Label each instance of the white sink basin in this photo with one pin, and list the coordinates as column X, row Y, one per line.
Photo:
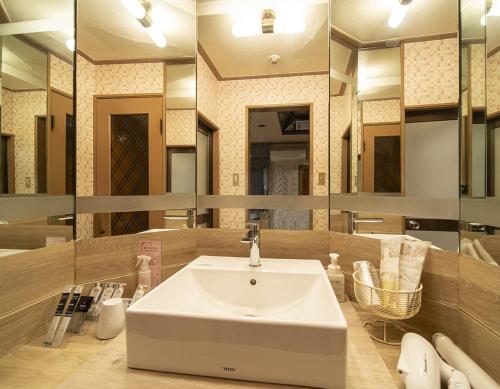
column 219, row 317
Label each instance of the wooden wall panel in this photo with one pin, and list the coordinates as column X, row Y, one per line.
column 30, row 237
column 109, row 257
column 34, row 275
column 211, row 241
column 26, row 324
column 480, row 291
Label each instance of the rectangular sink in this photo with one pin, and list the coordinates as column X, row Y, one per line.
column 279, row 323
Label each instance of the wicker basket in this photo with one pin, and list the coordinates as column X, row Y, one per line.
column 390, row 304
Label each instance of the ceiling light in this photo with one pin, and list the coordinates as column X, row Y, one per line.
column 157, row 36
column 135, row 7
column 142, row 11
column 285, row 22
column 70, row 44
column 398, row 13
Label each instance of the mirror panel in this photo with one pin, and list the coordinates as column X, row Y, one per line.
column 262, row 102
column 37, row 151
column 394, row 119
column 480, row 205
column 136, row 115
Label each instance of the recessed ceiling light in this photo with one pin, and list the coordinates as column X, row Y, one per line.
column 398, row 12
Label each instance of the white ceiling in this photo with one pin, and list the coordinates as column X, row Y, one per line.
column 25, row 10
column 107, row 31
column 379, row 73
column 248, row 56
column 23, row 67
column 472, row 10
column 366, row 20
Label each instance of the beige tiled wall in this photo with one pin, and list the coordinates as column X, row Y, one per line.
column 477, row 75
column 61, row 75
column 431, row 72
column 493, row 83
column 380, row 111
column 180, row 127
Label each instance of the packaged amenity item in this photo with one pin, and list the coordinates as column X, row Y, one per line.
column 120, row 288
column 367, row 275
column 61, row 331
column 95, row 293
column 336, row 277
column 139, row 293
column 106, row 294
column 389, row 263
column 80, row 314
column 57, row 315
column 412, row 263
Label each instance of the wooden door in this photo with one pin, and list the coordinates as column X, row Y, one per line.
column 60, row 145
column 129, row 159
column 382, row 158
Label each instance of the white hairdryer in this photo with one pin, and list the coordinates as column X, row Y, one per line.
column 421, row 367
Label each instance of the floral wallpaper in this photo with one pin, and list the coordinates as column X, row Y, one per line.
column 379, row 111
column 129, row 78
column 180, row 127
column 19, row 111
column 337, row 128
column 207, row 94
column 61, row 75
column 477, row 74
column 431, row 72
column 493, row 83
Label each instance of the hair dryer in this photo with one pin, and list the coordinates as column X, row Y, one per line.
column 421, row 367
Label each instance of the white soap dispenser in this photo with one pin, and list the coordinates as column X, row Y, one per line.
column 336, row 277
column 144, row 271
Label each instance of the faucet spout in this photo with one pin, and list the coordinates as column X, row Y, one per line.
column 252, row 237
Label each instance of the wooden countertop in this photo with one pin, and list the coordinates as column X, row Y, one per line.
column 85, row 362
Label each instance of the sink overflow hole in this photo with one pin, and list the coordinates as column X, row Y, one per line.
column 253, row 281
column 228, row 368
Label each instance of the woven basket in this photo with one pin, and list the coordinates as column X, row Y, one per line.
column 389, row 304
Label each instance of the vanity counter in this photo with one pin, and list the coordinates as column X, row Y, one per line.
column 85, row 362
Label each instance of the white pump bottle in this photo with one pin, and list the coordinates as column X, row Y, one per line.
column 336, row 277
column 144, row 271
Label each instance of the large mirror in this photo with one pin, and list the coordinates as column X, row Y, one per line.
column 394, row 117
column 480, row 130
column 37, row 135
column 262, row 102
column 136, row 113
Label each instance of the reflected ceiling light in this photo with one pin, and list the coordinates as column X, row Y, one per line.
column 492, row 9
column 135, row 7
column 285, row 22
column 142, row 10
column 70, row 44
column 398, row 13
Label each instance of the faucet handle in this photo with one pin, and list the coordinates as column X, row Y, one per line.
column 254, row 227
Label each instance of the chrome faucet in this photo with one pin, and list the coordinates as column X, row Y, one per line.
column 354, row 220
column 252, row 237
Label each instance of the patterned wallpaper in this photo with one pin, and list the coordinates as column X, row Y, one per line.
column 431, row 72
column 99, row 80
column 477, row 73
column 337, row 129
column 19, row 110
column 207, row 94
column 493, row 83
column 180, row 127
column 379, row 111
column 61, row 75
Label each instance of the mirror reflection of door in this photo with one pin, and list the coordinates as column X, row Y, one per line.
column 382, row 158
column 205, row 171
column 41, row 154
column 128, row 159
column 181, row 169
column 7, row 161
column 279, row 162
column 345, row 185
column 60, row 179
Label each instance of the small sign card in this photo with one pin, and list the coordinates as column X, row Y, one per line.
column 152, row 248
